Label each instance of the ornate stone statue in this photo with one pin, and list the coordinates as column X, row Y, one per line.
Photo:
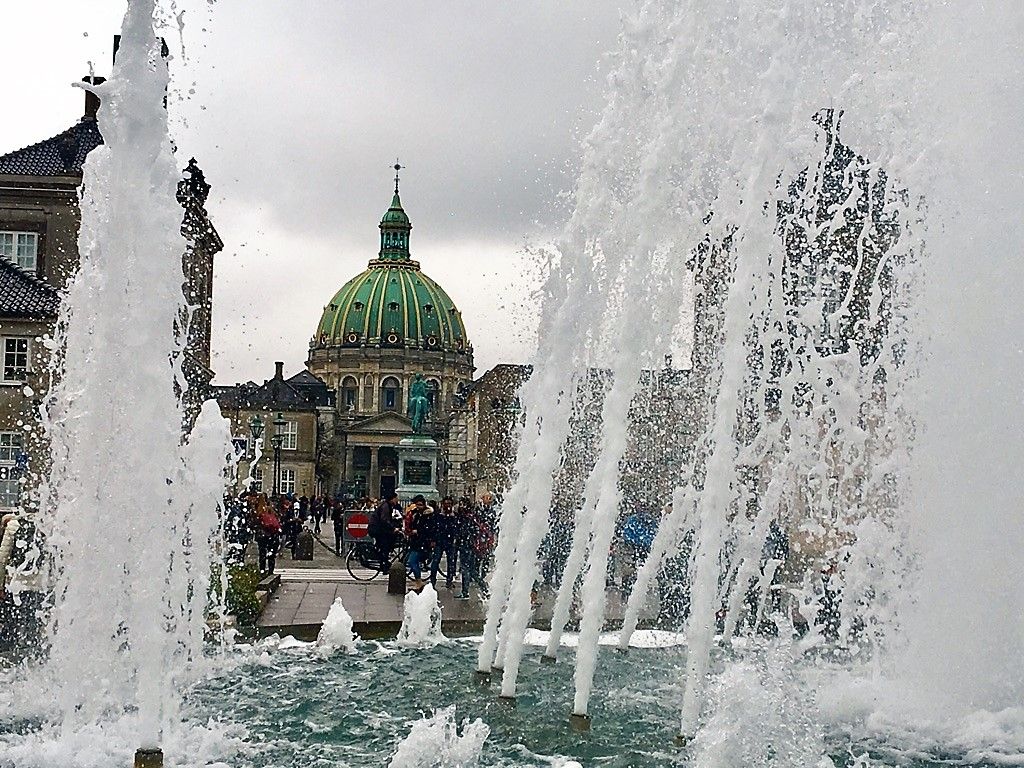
column 419, row 403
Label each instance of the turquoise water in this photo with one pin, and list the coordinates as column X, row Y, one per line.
column 355, row 710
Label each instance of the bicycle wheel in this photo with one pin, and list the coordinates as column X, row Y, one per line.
column 358, row 569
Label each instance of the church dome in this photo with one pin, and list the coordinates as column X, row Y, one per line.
column 392, row 303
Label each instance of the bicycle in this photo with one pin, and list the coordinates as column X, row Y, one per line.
column 364, row 565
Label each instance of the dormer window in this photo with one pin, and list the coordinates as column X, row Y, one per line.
column 428, row 308
column 358, row 306
column 21, row 248
column 393, row 306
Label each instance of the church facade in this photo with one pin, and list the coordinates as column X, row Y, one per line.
column 380, row 330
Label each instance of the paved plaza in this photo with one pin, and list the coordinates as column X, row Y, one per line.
column 308, row 588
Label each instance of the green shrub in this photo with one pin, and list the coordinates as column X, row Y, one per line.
column 241, row 594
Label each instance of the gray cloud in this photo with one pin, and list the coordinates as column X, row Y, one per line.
column 298, row 111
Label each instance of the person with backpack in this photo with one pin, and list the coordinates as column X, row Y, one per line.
column 421, row 530
column 268, row 533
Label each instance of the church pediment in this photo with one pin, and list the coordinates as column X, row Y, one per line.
column 383, row 422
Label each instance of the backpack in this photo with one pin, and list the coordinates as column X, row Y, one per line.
column 483, row 542
column 268, row 522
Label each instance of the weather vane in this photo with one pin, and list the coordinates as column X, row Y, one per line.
column 398, row 166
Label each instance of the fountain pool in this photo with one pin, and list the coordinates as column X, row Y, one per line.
column 276, row 703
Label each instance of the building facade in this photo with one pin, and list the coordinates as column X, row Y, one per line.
column 303, row 408
column 28, row 309
column 485, row 428
column 39, row 222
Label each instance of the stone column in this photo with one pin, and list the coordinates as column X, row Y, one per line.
column 350, row 474
column 373, row 479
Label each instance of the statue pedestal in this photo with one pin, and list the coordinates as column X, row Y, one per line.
column 417, row 467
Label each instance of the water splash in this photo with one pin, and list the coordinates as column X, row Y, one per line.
column 421, row 620
column 129, row 510
column 762, row 715
column 336, row 632
column 810, row 165
column 435, row 742
column 965, row 632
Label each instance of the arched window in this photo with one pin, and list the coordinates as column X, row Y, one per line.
column 391, row 394
column 349, row 393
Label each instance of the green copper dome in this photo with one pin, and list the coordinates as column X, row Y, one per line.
column 392, row 303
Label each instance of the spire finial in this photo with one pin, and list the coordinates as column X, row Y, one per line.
column 398, row 166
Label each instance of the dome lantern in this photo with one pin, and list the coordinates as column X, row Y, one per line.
column 394, row 228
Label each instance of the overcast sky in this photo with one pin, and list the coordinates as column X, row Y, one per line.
column 298, row 111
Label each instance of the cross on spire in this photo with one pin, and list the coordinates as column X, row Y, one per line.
column 398, row 166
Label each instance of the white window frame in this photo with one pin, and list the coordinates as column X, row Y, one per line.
column 257, row 479
column 11, row 443
column 288, row 480
column 4, row 341
column 290, row 436
column 10, row 486
column 240, row 443
column 13, row 241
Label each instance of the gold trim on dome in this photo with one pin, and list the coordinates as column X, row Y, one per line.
column 420, row 331
column 356, row 283
column 369, row 301
column 387, row 275
column 436, row 296
column 405, row 305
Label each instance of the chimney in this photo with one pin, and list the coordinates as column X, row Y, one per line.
column 279, row 370
column 92, row 101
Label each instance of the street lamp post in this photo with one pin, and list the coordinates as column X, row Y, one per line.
column 276, row 441
column 256, row 427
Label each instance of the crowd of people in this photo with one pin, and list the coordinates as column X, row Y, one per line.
column 458, row 534
column 453, row 541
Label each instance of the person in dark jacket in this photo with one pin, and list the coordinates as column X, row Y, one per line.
column 237, row 529
column 385, row 528
column 338, row 520
column 317, row 511
column 446, row 545
column 421, row 530
column 268, row 532
column 473, row 537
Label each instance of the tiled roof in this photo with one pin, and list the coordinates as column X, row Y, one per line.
column 295, row 394
column 61, row 155
column 23, row 295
